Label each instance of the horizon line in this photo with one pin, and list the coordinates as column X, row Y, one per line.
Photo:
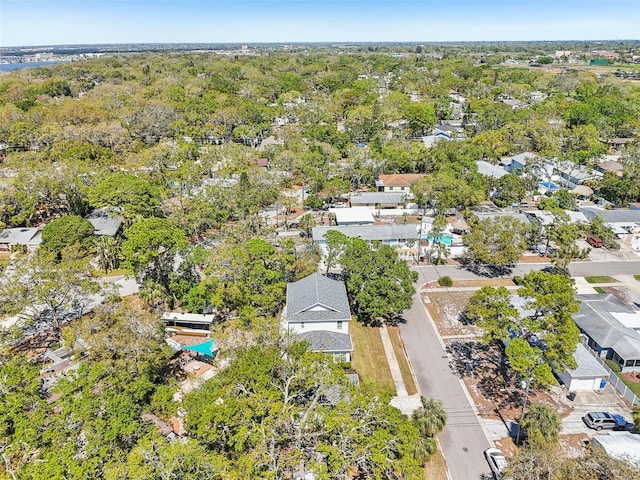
column 325, row 42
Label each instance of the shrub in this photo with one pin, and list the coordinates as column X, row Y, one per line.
column 517, row 280
column 613, row 365
column 445, row 281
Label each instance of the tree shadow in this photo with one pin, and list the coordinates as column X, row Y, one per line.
column 488, row 271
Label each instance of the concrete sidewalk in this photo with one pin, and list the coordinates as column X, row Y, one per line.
column 404, row 402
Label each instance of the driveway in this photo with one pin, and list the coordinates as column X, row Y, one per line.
column 463, row 439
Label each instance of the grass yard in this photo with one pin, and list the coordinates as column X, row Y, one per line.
column 5, row 260
column 436, row 467
column 633, row 386
column 600, row 279
column 369, row 359
column 599, row 289
column 396, row 340
column 637, row 277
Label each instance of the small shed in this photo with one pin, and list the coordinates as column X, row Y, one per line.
column 588, row 375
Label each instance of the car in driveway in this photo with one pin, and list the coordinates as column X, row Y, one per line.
column 605, row 421
column 497, row 462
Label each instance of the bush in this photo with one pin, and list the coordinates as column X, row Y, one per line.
column 445, row 281
column 518, row 280
column 613, row 365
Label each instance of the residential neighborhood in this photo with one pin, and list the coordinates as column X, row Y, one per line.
column 320, row 262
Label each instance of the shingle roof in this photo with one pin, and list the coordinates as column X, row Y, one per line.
column 20, row 236
column 370, row 233
column 382, row 198
column 105, row 221
column 317, row 298
column 595, row 318
column 327, row 341
column 612, row 216
column 488, row 170
column 400, row 179
column 588, row 366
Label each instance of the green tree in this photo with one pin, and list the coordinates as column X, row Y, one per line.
column 307, row 222
column 379, row 284
column 67, row 231
column 542, row 424
column 509, row 189
column 276, row 416
column 431, row 418
column 421, row 117
column 336, row 242
column 491, row 309
column 136, row 196
column 495, row 242
column 529, row 363
column 150, row 248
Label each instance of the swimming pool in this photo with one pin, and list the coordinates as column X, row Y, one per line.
column 549, row 185
column 445, row 239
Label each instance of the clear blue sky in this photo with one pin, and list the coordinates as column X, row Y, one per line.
column 46, row 22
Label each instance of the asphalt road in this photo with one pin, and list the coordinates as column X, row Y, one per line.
column 463, row 440
column 577, row 269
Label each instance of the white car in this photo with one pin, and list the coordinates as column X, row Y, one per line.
column 497, row 462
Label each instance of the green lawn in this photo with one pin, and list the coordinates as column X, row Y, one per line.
column 637, row 277
column 599, row 289
column 410, row 385
column 369, row 359
column 634, row 387
column 600, row 279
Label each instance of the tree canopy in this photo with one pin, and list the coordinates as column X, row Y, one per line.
column 379, row 284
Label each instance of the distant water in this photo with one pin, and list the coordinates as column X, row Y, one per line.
column 8, row 67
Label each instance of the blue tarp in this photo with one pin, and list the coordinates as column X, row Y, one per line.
column 205, row 348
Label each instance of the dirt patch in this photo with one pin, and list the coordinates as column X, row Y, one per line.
column 445, row 308
column 534, row 259
column 632, row 377
column 624, row 294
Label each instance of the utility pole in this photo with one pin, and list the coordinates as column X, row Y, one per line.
column 524, row 407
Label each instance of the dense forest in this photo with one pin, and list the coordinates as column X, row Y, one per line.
column 170, row 142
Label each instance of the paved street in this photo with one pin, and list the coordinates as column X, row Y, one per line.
column 577, row 269
column 463, row 439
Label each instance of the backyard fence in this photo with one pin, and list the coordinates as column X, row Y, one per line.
column 614, row 379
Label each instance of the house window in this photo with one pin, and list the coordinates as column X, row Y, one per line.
column 637, row 363
column 301, row 324
column 628, row 363
column 340, row 357
column 402, row 188
column 339, row 325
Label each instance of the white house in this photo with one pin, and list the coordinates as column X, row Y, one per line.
column 318, row 311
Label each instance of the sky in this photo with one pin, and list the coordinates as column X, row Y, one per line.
column 60, row 22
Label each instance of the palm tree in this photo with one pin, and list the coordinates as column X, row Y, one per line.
column 424, row 448
column 542, row 425
column 108, row 252
column 431, row 418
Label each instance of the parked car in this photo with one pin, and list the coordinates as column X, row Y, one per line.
column 605, row 420
column 497, row 462
column 595, row 242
